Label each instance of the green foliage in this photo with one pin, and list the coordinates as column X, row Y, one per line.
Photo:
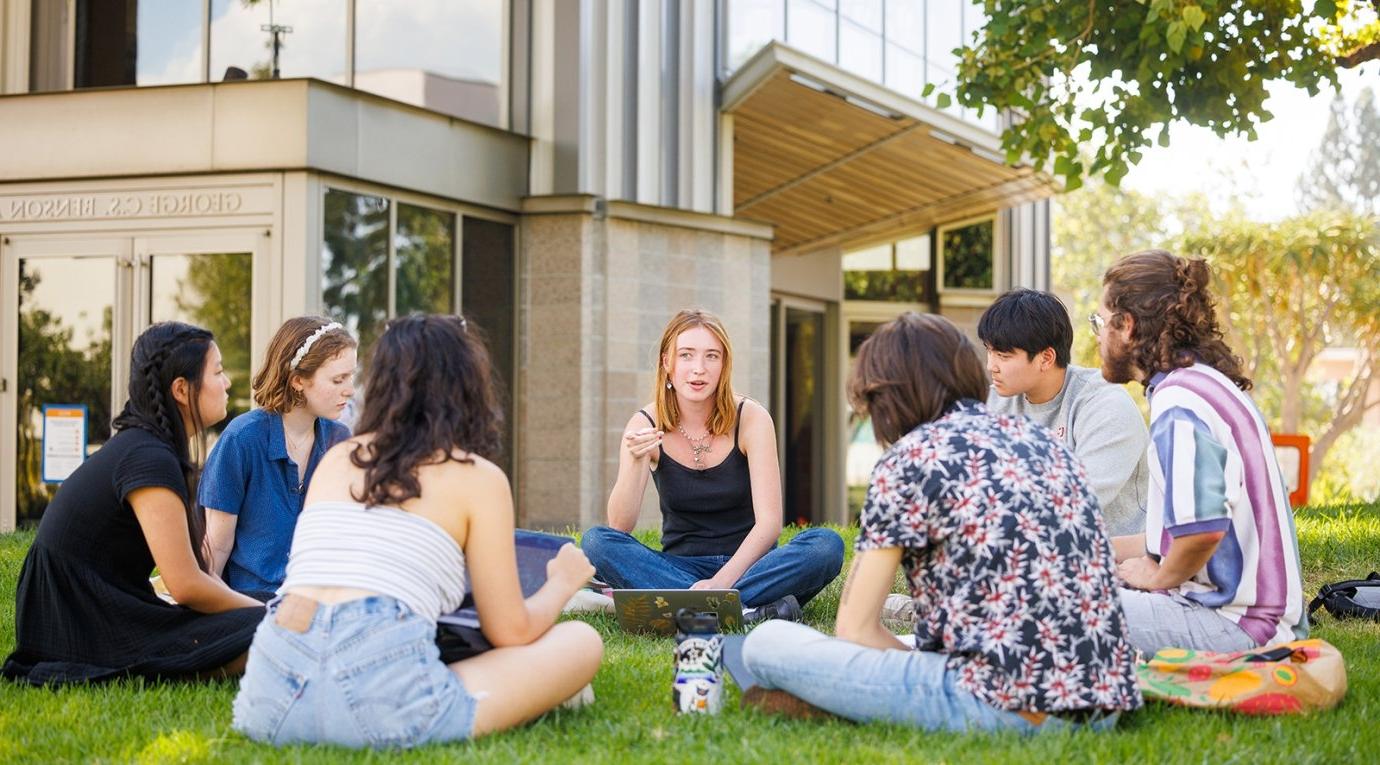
column 425, row 246
column 1097, row 79
column 55, row 367
column 632, row 721
column 967, row 254
column 1289, row 290
column 217, row 293
column 894, row 286
column 1286, row 292
column 1092, row 228
column 354, row 258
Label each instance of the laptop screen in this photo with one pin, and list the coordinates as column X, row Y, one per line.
column 534, row 550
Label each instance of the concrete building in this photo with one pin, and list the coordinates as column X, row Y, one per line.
column 568, row 173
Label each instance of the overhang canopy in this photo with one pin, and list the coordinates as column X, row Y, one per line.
column 833, row 160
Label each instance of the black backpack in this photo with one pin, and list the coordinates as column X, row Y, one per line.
column 1352, row 599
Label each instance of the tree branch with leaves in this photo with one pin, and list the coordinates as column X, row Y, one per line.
column 1093, row 81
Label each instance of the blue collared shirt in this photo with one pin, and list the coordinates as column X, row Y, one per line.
column 249, row 474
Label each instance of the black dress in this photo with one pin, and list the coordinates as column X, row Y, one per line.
column 84, row 609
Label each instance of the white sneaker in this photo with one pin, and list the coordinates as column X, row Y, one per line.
column 583, row 698
column 588, row 602
column 898, row 612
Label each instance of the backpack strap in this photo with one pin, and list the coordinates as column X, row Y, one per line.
column 1337, row 588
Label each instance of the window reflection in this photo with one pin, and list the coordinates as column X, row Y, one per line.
column 424, row 246
column 895, row 272
column 865, row 13
column 214, row 291
column 751, row 25
column 967, row 254
column 903, row 44
column 905, row 25
column 488, row 283
column 811, row 28
column 137, row 42
column 354, row 264
column 860, row 51
column 444, row 55
column 314, row 48
column 65, row 311
column 905, row 71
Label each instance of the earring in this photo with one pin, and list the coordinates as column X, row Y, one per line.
column 668, row 385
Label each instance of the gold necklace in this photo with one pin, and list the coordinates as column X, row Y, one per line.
column 698, row 446
column 296, row 445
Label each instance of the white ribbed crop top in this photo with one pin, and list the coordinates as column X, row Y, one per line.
column 384, row 549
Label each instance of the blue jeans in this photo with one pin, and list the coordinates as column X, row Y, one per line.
column 868, row 684
column 366, row 673
column 802, row 567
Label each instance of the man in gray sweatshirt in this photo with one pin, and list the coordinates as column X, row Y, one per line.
column 1028, row 337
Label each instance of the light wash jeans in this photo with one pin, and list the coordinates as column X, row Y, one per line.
column 801, row 567
column 869, row 684
column 366, row 673
column 1156, row 620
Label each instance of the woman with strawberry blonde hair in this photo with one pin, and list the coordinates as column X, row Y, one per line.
column 712, row 455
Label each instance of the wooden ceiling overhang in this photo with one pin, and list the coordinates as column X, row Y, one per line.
column 833, row 160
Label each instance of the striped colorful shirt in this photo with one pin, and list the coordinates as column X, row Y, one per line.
column 1213, row 468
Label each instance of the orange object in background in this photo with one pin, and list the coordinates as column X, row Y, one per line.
column 1292, row 451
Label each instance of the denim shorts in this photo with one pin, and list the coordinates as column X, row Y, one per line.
column 365, row 673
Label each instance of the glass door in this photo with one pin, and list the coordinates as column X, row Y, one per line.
column 206, row 280
column 799, row 380
column 72, row 308
column 63, row 344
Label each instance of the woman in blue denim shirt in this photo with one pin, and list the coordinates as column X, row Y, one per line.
column 256, row 476
column 347, row 655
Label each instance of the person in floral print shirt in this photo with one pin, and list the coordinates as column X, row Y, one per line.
column 1000, row 537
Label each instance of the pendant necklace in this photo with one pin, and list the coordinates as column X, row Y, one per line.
column 698, row 446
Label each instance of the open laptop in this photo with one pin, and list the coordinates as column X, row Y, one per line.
column 654, row 611
column 534, row 549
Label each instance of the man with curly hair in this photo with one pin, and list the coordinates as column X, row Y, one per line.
column 1218, row 565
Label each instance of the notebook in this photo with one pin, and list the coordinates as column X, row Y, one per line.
column 654, row 611
column 534, row 549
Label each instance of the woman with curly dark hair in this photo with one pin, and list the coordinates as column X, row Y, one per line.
column 85, row 609
column 1218, row 565
column 347, row 654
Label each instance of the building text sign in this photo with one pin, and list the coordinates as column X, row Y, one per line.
column 158, row 203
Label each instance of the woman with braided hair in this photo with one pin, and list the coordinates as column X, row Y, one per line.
column 84, row 609
column 257, row 475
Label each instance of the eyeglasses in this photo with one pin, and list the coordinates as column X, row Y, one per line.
column 1097, row 322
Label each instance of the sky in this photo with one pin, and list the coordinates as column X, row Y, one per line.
column 1263, row 173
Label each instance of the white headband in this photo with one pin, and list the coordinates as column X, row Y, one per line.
column 310, row 341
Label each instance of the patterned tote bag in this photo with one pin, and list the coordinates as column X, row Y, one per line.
column 1287, row 678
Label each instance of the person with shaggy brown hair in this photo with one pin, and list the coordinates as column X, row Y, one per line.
column 1217, row 568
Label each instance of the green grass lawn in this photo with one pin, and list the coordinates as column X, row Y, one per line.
column 632, row 719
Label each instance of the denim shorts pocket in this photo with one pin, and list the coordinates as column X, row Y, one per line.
column 268, row 692
column 395, row 694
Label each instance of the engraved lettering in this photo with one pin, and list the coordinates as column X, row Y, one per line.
column 233, row 202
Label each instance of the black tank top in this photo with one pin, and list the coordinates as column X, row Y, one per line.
column 704, row 512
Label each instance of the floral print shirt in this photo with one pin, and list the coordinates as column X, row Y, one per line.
column 1012, row 573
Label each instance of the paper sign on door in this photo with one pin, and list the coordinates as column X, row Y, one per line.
column 64, row 440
